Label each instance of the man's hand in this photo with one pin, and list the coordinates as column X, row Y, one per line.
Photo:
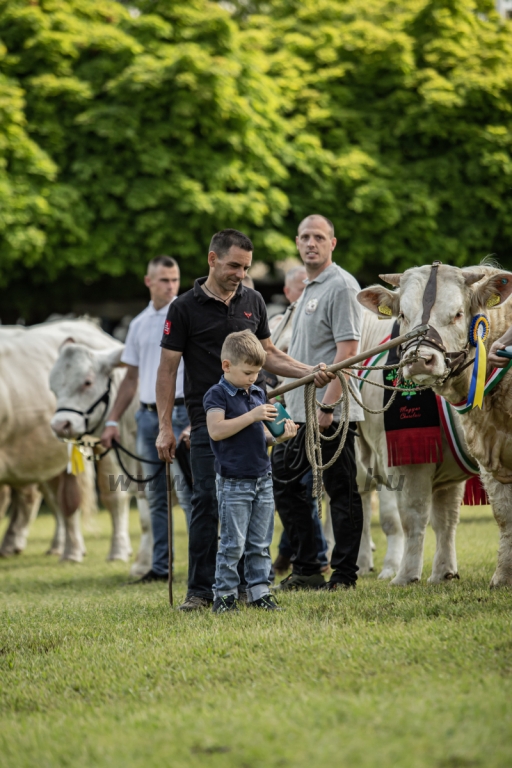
column 322, row 377
column 185, row 437
column 324, row 419
column 290, row 430
column 265, row 412
column 493, row 359
column 109, row 434
column 166, row 444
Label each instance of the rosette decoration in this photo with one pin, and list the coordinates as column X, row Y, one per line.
column 478, row 332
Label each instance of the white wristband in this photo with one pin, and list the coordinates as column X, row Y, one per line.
column 111, row 423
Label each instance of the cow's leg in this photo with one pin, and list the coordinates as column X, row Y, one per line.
column 68, row 540
column 118, row 504
column 24, row 508
column 500, row 496
column 414, row 501
column 5, row 500
column 444, row 519
column 392, row 527
column 365, row 556
column 145, row 554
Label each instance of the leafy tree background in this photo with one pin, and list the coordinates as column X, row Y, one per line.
column 125, row 135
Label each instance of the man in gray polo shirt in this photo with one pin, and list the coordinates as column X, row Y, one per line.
column 326, row 327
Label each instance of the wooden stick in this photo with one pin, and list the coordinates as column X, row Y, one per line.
column 351, row 360
column 169, row 526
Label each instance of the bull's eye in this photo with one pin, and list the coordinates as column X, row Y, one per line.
column 87, row 383
column 400, row 315
column 458, row 316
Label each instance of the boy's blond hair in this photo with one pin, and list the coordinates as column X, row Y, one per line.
column 243, row 347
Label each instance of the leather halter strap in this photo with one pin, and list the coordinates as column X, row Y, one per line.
column 455, row 361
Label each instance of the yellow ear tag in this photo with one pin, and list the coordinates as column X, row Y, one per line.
column 491, row 301
column 385, row 310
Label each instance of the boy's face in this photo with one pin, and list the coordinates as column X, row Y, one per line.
column 241, row 375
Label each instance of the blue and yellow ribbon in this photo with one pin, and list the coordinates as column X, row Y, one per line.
column 478, row 332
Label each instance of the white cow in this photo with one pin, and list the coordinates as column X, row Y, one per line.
column 30, row 453
column 426, row 490
column 85, row 379
column 461, row 295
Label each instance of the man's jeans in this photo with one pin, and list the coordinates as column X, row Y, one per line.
column 285, row 548
column 246, row 512
column 156, row 490
column 346, row 512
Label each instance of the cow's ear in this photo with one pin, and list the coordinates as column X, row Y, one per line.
column 392, row 279
column 111, row 359
column 69, row 340
column 382, row 301
column 492, row 292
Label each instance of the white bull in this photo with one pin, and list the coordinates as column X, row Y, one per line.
column 30, row 454
column 460, row 296
column 85, row 379
column 425, row 490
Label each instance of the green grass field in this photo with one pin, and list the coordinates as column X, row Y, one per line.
column 96, row 673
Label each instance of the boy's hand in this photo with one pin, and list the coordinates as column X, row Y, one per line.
column 290, row 430
column 265, row 412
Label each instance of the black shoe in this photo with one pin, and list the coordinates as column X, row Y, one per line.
column 225, row 604
column 295, row 581
column 332, row 586
column 267, row 602
column 151, row 576
column 194, row 603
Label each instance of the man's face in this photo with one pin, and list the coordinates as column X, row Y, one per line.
column 293, row 290
column 315, row 243
column 163, row 283
column 230, row 270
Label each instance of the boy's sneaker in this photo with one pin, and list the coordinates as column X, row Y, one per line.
column 295, row 581
column 225, row 604
column 267, row 602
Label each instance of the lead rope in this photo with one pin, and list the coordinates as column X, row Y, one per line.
column 314, row 436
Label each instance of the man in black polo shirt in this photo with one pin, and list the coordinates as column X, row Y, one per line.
column 196, row 326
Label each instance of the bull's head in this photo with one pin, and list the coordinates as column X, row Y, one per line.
column 460, row 294
column 80, row 380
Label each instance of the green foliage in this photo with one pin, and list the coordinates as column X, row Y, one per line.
column 163, row 129
column 95, row 674
column 400, row 118
column 123, row 136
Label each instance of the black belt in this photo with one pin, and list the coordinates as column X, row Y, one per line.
column 152, row 406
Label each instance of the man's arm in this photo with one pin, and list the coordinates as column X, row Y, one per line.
column 125, row 395
column 165, row 394
column 283, row 365
column 344, row 349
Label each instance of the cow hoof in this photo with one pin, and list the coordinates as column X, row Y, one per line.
column 387, row 573
column 71, row 558
column 122, row 558
column 54, row 551
column 497, row 582
column 396, row 582
column 451, row 576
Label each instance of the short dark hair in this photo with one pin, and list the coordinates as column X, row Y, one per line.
column 243, row 347
column 222, row 241
column 318, row 216
column 162, row 261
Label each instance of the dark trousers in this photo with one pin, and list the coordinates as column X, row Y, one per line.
column 346, row 511
column 203, row 536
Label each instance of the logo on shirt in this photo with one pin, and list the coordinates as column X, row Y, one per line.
column 311, row 306
column 248, row 314
column 167, row 327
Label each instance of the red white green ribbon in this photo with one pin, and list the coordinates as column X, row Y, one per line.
column 496, row 376
column 370, row 361
column 463, row 459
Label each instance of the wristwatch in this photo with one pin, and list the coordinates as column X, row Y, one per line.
column 327, row 408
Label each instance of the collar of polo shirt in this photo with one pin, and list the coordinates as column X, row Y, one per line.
column 232, row 390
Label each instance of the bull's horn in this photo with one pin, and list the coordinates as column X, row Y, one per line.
column 392, row 279
column 472, row 277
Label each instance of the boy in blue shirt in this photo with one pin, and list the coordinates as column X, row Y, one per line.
column 235, row 409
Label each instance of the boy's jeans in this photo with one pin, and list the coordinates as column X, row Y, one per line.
column 246, row 513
